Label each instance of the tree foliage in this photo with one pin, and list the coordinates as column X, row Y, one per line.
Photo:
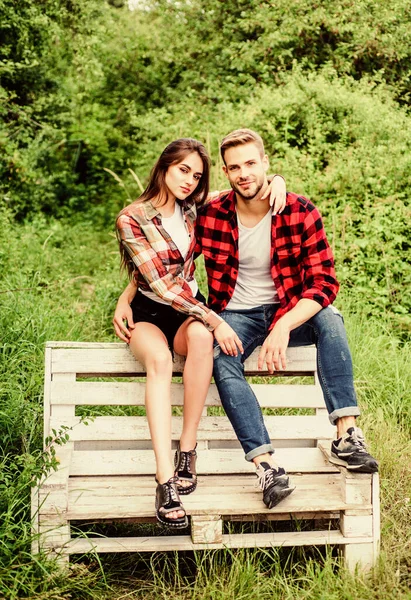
column 88, row 85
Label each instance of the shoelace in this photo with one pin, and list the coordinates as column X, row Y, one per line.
column 171, row 492
column 266, row 478
column 358, row 441
column 184, row 462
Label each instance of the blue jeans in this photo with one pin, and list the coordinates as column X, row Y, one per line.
column 326, row 330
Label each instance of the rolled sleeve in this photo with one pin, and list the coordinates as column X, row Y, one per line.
column 320, row 282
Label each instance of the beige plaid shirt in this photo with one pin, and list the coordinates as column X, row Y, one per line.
column 159, row 266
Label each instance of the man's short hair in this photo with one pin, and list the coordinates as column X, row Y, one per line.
column 239, row 137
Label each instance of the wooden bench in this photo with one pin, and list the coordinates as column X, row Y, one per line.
column 106, row 469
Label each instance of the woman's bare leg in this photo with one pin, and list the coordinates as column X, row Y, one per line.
column 195, row 342
column 149, row 346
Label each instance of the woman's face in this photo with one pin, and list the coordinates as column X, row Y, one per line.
column 183, row 178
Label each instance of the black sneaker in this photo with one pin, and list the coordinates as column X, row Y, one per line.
column 351, row 452
column 274, row 484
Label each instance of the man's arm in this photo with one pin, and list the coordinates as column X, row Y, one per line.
column 320, row 289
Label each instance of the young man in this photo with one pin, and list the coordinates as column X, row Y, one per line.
column 272, row 278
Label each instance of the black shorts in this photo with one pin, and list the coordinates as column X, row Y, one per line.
column 164, row 316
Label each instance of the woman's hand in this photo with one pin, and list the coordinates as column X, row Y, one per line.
column 227, row 339
column 277, row 192
column 123, row 320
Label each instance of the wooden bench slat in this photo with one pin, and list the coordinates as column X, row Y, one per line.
column 131, row 393
column 120, row 360
column 313, row 493
column 183, row 542
column 133, row 462
column 211, row 428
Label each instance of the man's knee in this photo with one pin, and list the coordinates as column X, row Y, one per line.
column 329, row 321
column 226, row 366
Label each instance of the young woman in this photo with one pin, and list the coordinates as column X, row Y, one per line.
column 165, row 312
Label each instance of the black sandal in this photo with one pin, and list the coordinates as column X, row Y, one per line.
column 167, row 501
column 185, row 465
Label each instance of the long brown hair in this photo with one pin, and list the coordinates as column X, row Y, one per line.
column 172, row 154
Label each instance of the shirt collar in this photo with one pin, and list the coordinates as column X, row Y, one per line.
column 152, row 211
column 228, row 204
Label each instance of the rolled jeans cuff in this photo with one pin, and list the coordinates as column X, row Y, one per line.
column 347, row 411
column 260, row 450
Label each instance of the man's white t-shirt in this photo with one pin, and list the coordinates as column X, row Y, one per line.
column 177, row 230
column 254, row 286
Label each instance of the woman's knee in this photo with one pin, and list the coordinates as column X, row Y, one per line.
column 199, row 338
column 159, row 363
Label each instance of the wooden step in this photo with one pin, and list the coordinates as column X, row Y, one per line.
column 116, row 359
column 184, row 542
column 211, row 428
column 133, row 497
column 131, row 393
column 141, row 462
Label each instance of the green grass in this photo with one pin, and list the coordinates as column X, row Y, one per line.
column 60, row 282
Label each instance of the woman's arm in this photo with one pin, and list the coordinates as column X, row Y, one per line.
column 123, row 315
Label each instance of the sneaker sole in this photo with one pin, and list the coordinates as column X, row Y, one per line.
column 357, row 468
column 280, row 495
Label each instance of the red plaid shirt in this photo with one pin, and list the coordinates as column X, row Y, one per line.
column 302, row 264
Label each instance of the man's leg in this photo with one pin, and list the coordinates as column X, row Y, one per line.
column 241, row 404
column 326, row 330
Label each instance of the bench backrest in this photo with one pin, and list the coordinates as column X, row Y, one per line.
column 81, row 374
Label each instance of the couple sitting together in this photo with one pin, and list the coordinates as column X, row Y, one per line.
column 271, row 283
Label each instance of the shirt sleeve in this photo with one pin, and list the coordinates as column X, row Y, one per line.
column 170, row 288
column 320, row 283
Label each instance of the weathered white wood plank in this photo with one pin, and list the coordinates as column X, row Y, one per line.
column 145, row 484
column 313, row 494
column 141, row 462
column 120, row 360
column 182, row 542
column 47, row 393
column 359, row 556
column 375, row 494
column 211, row 428
column 356, row 526
column 34, row 513
column 206, row 529
column 131, row 393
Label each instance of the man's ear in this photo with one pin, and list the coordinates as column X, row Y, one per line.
column 266, row 163
column 225, row 171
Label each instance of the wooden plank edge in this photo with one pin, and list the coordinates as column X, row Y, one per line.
column 170, row 543
column 114, row 514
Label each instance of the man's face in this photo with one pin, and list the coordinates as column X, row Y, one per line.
column 245, row 169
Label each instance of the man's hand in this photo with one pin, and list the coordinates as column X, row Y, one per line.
column 227, row 339
column 277, row 192
column 123, row 320
column 274, row 348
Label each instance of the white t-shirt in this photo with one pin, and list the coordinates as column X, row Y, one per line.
column 176, row 229
column 254, row 286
